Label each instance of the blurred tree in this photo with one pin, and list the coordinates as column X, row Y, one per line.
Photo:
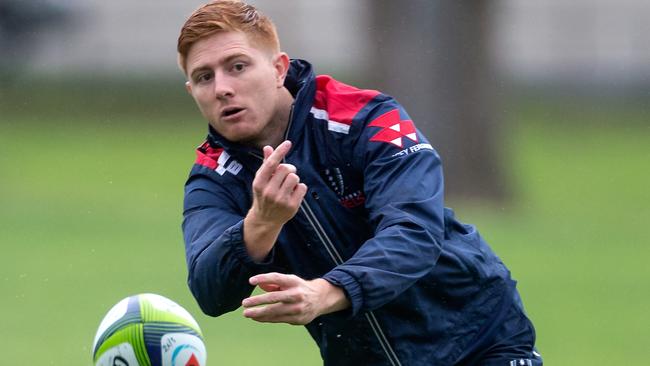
column 434, row 57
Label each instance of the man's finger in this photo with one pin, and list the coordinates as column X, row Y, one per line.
column 279, row 153
column 267, row 150
column 280, row 175
column 269, row 287
column 269, row 298
column 286, row 319
column 278, row 312
column 282, row 280
column 298, row 194
column 272, row 161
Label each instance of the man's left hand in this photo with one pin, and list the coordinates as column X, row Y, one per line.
column 290, row 299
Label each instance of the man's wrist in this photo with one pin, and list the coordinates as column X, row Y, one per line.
column 333, row 298
column 259, row 236
column 253, row 220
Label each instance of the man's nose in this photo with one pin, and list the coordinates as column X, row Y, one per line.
column 223, row 86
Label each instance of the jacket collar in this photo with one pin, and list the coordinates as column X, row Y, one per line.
column 300, row 82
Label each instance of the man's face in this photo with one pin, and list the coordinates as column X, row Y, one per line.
column 236, row 85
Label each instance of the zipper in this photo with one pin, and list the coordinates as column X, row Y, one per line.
column 337, row 259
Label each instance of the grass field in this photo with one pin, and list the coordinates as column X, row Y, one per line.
column 90, row 210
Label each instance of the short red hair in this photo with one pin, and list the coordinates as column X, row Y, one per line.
column 224, row 16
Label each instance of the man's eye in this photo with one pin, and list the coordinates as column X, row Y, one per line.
column 238, row 67
column 204, row 77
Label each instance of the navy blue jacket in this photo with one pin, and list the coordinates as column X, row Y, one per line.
column 423, row 286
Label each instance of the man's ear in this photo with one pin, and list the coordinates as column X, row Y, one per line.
column 281, row 64
column 188, row 87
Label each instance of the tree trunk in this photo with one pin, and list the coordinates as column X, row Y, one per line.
column 433, row 56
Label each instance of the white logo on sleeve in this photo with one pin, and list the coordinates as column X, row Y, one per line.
column 233, row 167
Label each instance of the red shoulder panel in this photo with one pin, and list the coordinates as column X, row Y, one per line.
column 207, row 155
column 341, row 101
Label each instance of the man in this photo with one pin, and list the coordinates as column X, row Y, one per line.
column 328, row 198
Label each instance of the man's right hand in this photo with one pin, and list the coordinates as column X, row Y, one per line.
column 277, row 193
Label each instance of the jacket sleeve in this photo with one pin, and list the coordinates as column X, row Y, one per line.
column 403, row 186
column 218, row 264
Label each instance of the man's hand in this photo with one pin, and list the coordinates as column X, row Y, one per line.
column 290, row 299
column 277, row 193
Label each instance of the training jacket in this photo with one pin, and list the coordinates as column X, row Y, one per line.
column 424, row 288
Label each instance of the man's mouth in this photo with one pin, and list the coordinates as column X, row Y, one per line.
column 231, row 112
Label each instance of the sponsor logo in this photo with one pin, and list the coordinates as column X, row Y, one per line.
column 185, row 352
column 182, row 349
column 223, row 165
column 393, row 129
column 413, row 149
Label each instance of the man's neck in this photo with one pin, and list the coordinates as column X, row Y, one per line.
column 275, row 132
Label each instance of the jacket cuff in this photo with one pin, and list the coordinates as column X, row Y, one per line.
column 351, row 287
column 238, row 247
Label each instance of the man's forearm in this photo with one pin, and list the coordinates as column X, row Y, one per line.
column 259, row 236
column 333, row 297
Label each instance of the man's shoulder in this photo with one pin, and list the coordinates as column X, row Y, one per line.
column 214, row 162
column 341, row 95
column 216, row 179
column 208, row 156
column 344, row 105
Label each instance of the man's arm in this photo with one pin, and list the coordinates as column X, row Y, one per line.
column 403, row 186
column 225, row 249
column 404, row 191
column 288, row 298
column 217, row 261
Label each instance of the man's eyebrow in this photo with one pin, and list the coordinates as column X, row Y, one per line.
column 220, row 61
column 233, row 56
column 197, row 70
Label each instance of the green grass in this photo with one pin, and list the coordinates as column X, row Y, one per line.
column 90, row 206
column 91, row 214
column 576, row 234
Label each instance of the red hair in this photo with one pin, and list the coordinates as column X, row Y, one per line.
column 224, row 16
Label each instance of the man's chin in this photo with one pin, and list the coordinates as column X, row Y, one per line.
column 248, row 139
